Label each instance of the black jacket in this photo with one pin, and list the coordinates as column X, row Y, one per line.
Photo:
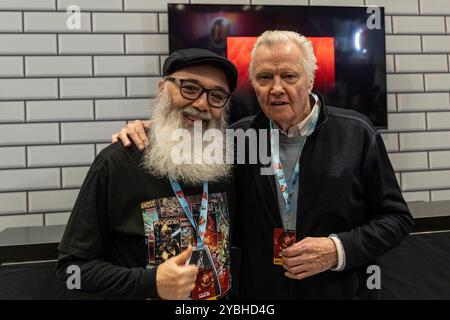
column 347, row 186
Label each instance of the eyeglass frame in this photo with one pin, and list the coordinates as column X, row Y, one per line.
column 179, row 83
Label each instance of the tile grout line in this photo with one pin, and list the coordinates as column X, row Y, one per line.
column 158, row 25
column 26, row 202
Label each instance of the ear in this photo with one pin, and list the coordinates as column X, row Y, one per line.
column 310, row 87
column 160, row 86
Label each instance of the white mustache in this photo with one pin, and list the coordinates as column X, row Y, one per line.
column 193, row 112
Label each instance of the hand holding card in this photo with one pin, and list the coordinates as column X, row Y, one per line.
column 207, row 284
column 195, row 257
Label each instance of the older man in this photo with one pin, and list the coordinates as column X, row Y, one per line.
column 334, row 189
column 138, row 215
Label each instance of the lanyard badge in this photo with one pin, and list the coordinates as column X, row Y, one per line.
column 282, row 239
column 201, row 228
column 207, row 284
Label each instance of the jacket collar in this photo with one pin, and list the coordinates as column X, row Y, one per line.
column 268, row 182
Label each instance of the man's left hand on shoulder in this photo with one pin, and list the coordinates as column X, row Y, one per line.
column 309, row 256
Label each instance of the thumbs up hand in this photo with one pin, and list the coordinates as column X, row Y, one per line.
column 175, row 280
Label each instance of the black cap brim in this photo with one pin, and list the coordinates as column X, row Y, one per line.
column 188, row 57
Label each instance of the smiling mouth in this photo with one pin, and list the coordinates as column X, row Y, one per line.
column 192, row 119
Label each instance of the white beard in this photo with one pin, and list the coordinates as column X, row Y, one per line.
column 158, row 156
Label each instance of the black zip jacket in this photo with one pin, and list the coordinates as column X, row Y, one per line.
column 347, row 187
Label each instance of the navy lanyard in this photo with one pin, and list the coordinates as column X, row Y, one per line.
column 201, row 229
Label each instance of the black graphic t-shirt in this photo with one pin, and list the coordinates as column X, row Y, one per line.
column 126, row 222
column 168, row 232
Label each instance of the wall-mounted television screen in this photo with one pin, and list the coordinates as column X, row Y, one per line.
column 349, row 43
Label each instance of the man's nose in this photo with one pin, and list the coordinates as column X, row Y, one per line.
column 202, row 102
column 277, row 87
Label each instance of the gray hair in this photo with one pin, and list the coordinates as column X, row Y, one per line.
column 273, row 37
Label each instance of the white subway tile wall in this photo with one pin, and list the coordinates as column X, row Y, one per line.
column 390, row 141
column 421, row 63
column 434, row 44
column 64, row 92
column 11, row 66
column 416, row 196
column 25, row 220
column 123, row 109
column 125, row 22
column 11, row 21
column 147, row 43
column 397, row 6
column 61, row 200
column 129, row 66
column 90, row 44
column 27, row 44
column 13, row 202
column 12, row 111
column 59, row 110
column 437, row 82
column 418, row 25
column 152, row 6
column 16, row 89
column 392, row 102
column 92, row 88
column 28, row 5
column 60, row 155
column 434, row 7
column 440, row 195
column 440, row 159
column 403, row 44
column 390, row 66
column 53, row 22
column 92, row 5
column 388, row 24
column 12, row 157
column 142, row 86
column 56, row 218
column 406, row 121
column 62, row 66
column 423, row 101
column 73, row 177
column 163, row 23
column 410, row 82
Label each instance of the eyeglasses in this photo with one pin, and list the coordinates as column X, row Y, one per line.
column 191, row 90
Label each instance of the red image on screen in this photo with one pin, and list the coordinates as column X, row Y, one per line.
column 239, row 48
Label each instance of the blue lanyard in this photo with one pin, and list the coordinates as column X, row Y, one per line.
column 201, row 229
column 286, row 191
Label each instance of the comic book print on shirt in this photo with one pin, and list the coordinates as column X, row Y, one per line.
column 168, row 232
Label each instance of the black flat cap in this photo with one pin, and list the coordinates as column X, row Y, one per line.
column 188, row 57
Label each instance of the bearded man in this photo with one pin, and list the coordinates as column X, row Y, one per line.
column 139, row 215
